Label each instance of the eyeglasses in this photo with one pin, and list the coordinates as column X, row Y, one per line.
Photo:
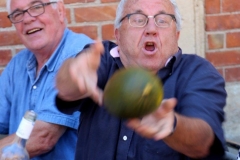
column 162, row 20
column 34, row 11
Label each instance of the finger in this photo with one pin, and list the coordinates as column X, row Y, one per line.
column 94, row 55
column 97, row 96
column 98, row 46
column 161, row 134
column 133, row 123
column 166, row 106
column 169, row 104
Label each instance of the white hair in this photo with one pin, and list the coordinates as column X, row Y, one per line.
column 122, row 4
column 8, row 4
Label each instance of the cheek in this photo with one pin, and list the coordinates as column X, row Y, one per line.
column 170, row 39
column 131, row 38
column 18, row 28
column 19, row 31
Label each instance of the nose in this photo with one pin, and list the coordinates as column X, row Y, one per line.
column 151, row 28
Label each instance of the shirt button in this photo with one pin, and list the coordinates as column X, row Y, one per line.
column 124, row 138
column 34, row 87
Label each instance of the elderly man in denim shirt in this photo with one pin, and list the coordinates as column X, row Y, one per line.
column 27, row 82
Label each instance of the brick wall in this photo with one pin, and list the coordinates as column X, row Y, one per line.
column 92, row 17
column 223, row 37
column 95, row 18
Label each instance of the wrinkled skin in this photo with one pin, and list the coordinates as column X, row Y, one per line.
column 133, row 51
column 50, row 26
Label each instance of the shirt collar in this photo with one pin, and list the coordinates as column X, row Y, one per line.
column 163, row 73
column 52, row 62
column 115, row 54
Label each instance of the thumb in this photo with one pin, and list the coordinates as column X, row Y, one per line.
column 166, row 106
column 97, row 96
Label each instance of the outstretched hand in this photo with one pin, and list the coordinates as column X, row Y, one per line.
column 83, row 71
column 158, row 124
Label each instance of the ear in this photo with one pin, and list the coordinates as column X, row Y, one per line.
column 178, row 35
column 61, row 11
column 117, row 35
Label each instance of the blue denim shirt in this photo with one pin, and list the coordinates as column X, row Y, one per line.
column 21, row 90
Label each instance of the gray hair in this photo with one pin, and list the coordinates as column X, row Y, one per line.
column 122, row 4
column 8, row 3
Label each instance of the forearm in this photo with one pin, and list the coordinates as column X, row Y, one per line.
column 192, row 137
column 43, row 138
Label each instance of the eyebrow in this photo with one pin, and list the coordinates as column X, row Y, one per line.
column 160, row 12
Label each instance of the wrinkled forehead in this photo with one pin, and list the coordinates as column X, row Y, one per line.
column 149, row 7
column 21, row 4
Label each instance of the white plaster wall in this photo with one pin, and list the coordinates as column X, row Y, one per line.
column 232, row 110
column 187, row 34
column 192, row 33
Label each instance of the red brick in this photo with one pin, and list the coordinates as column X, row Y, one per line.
column 222, row 22
column 4, row 21
column 233, row 39
column 108, row 32
column 232, row 74
column 230, row 5
column 9, row 38
column 212, row 6
column 224, row 58
column 77, row 1
column 107, row 1
column 90, row 31
column 215, row 41
column 220, row 70
column 95, row 14
column 5, row 57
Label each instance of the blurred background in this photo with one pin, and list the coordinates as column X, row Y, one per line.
column 211, row 29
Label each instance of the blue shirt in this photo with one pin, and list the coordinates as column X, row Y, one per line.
column 196, row 84
column 21, row 90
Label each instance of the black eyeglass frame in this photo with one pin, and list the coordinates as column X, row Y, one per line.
column 128, row 16
column 26, row 10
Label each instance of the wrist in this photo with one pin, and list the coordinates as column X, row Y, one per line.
column 174, row 125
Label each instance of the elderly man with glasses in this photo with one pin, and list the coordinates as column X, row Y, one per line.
column 187, row 124
column 27, row 82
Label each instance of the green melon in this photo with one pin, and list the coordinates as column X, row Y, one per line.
column 132, row 93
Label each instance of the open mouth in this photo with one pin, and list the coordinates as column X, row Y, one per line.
column 34, row 30
column 150, row 46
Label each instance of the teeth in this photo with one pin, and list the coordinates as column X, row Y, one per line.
column 33, row 30
column 149, row 43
